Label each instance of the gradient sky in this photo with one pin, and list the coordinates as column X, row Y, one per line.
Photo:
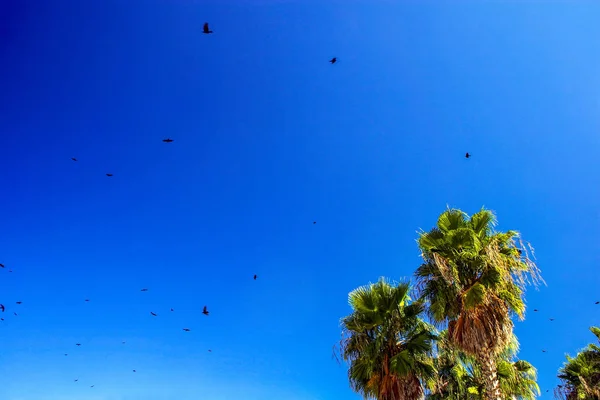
column 270, row 137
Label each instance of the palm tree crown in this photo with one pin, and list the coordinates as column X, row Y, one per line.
column 386, row 343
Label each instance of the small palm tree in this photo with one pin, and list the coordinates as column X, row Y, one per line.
column 460, row 377
column 580, row 375
column 473, row 280
column 386, row 343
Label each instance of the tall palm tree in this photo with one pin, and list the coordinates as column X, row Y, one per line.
column 580, row 375
column 460, row 376
column 386, row 343
column 473, row 279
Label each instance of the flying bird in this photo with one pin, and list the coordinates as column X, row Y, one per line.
column 598, row 302
column 66, row 354
column 144, row 290
column 205, row 311
column 205, row 29
column 153, row 314
column 134, row 370
column 2, row 308
column 123, row 342
column 1, row 319
column 87, row 299
column 543, row 351
column 16, row 315
column 109, row 175
column 92, row 386
column 73, row 158
column 186, row 329
column 168, row 140
column 1, row 265
column 467, row 155
column 19, row 302
column 172, row 310
column 314, row 222
column 333, row 60
column 75, row 380
column 535, row 310
column 209, row 350
column 551, row 319
column 255, row 276
column 77, row 344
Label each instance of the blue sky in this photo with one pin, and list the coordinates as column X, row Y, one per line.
column 270, row 137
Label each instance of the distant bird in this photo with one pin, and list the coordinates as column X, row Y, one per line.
column 543, row 351
column 168, row 140
column 551, row 319
column 205, row 29
column 209, row 350
column 77, row 344
column 186, row 329
column 314, row 222
column 153, row 314
column 535, row 310
column 16, row 315
column 255, row 277
column 75, row 380
column 333, row 60
column 1, row 319
column 1, row 265
column 205, row 311
column 144, row 290
column 2, row 308
column 134, row 370
column 172, row 310
column 109, row 175
column 73, row 158
column 87, row 299
column 66, row 354
column 123, row 342
column 92, row 386
column 19, row 302
column 598, row 302
column 467, row 155
column 10, row 270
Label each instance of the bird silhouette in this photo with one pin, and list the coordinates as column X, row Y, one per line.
column 598, row 302
column 186, row 329
column 66, row 354
column 78, row 344
column 1, row 265
column 87, row 299
column 73, row 158
column 535, row 310
column 109, row 175
column 144, row 290
column 333, row 60
column 19, row 302
column 551, row 319
column 76, row 380
column 314, row 222
column 205, row 29
column 467, row 155
column 134, row 370
column 543, row 351
column 209, row 350
column 153, row 314
column 255, row 276
column 123, row 342
column 172, row 310
column 1, row 319
column 92, row 386
column 16, row 315
column 2, row 308
column 168, row 140
column 205, row 311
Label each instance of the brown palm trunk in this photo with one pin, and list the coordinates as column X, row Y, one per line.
column 490, row 376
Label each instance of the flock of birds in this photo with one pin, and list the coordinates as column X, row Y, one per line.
column 206, row 30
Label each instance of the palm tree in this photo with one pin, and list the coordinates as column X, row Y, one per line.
column 460, row 376
column 473, row 279
column 387, row 345
column 580, row 375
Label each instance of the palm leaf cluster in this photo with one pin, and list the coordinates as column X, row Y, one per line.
column 580, row 375
column 386, row 343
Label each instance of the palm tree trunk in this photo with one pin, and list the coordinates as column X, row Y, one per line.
column 490, row 376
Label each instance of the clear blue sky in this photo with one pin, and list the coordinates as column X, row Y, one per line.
column 270, row 137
